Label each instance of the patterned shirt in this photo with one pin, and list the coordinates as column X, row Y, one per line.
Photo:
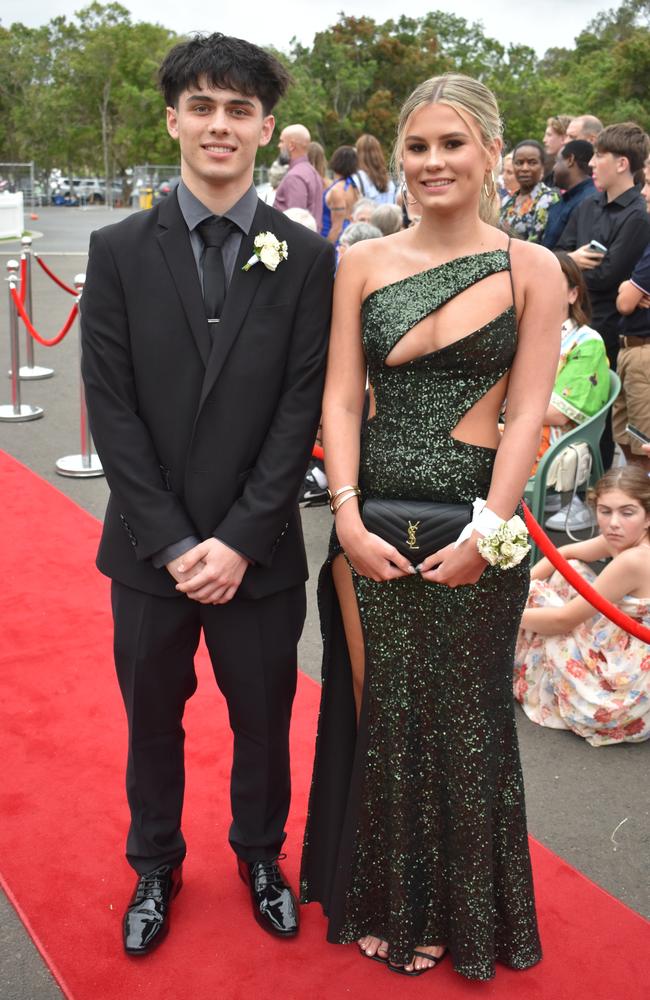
column 525, row 215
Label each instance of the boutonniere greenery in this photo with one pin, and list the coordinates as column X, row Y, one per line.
column 269, row 249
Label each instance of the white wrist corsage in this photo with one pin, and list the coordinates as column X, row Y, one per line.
column 269, row 249
column 507, row 545
column 504, row 543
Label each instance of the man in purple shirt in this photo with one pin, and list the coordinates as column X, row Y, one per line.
column 302, row 186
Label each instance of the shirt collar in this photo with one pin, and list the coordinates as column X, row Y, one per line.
column 577, row 188
column 624, row 199
column 194, row 211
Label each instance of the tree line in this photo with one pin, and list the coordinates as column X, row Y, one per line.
column 81, row 94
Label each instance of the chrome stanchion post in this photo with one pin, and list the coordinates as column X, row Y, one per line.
column 86, row 464
column 16, row 410
column 30, row 370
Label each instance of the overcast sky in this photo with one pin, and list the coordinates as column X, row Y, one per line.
column 541, row 25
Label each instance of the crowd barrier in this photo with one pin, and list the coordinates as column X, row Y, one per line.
column 85, row 464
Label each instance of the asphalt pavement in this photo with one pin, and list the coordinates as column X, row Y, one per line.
column 577, row 795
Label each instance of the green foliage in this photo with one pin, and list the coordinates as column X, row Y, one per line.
column 82, row 94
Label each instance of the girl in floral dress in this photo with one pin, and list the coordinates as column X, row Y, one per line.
column 578, row 670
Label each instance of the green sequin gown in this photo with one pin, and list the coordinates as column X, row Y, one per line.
column 416, row 830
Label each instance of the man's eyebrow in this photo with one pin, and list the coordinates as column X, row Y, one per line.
column 209, row 99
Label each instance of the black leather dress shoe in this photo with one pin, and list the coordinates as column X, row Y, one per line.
column 274, row 904
column 146, row 921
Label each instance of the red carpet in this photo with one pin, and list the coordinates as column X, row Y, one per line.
column 63, row 817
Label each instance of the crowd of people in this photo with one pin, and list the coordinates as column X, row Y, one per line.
column 214, row 334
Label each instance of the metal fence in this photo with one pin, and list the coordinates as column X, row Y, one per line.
column 15, row 177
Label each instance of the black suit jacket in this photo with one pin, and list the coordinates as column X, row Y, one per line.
column 203, row 430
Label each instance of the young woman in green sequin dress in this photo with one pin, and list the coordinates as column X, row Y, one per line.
column 416, row 837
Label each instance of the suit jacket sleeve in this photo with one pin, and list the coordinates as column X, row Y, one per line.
column 153, row 515
column 256, row 522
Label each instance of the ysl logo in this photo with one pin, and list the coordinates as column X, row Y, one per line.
column 410, row 535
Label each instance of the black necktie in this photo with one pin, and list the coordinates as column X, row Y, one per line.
column 214, row 233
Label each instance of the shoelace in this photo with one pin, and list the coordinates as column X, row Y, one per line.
column 268, row 872
column 152, row 885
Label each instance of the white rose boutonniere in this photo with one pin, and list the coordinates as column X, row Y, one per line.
column 269, row 249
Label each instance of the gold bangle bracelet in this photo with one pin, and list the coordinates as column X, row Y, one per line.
column 336, row 508
column 341, row 489
column 347, row 491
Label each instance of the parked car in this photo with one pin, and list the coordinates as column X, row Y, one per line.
column 165, row 188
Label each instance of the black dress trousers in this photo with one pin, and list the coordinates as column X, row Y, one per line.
column 253, row 649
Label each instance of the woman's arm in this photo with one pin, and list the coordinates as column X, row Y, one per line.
column 336, row 202
column 621, row 577
column 589, row 551
column 538, row 286
column 628, row 298
column 343, row 402
column 555, row 418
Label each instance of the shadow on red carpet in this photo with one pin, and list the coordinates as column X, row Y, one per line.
column 63, row 818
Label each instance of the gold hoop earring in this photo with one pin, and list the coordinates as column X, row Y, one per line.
column 490, row 191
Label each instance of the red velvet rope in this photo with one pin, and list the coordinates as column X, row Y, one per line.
column 578, row 583
column 26, row 320
column 23, row 277
column 50, row 274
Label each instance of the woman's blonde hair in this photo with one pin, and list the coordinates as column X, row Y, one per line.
column 468, row 98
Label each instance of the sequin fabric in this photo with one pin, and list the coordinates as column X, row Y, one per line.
column 436, row 850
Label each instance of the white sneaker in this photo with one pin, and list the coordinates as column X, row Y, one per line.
column 552, row 502
column 576, row 516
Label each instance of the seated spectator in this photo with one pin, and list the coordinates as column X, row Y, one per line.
column 554, row 139
column 375, row 181
column 581, row 385
column 507, row 180
column 388, row 218
column 585, row 127
column 355, row 233
column 574, row 668
column 524, row 214
column 318, row 160
column 362, row 210
column 342, row 193
column 302, row 187
column 633, row 362
column 572, row 174
column 302, row 216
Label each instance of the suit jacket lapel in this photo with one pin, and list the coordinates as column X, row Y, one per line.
column 241, row 292
column 174, row 241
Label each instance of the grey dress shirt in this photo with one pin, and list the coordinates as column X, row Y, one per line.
column 194, row 212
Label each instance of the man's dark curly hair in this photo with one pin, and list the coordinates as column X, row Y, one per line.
column 223, row 61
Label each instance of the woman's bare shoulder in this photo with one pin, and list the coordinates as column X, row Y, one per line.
column 532, row 259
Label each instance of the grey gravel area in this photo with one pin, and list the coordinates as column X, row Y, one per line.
column 589, row 805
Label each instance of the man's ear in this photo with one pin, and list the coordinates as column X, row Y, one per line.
column 172, row 122
column 623, row 165
column 266, row 134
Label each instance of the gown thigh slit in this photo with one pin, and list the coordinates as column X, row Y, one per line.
column 416, row 829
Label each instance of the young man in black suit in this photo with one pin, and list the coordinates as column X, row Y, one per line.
column 204, row 382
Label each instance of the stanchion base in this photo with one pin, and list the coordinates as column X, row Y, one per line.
column 35, row 372
column 77, row 466
column 24, row 412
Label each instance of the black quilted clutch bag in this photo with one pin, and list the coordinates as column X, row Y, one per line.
column 417, row 528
